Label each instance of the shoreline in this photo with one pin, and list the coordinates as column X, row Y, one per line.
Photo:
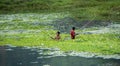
column 55, row 52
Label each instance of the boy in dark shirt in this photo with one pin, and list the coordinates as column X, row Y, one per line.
column 57, row 37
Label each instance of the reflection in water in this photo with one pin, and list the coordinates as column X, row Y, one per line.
column 21, row 56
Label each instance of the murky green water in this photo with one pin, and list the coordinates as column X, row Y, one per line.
column 21, row 56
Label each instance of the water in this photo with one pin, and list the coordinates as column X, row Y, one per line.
column 25, row 56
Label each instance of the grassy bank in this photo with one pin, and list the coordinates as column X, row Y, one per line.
column 96, row 43
column 108, row 10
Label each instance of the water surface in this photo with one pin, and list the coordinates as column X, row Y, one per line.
column 23, row 56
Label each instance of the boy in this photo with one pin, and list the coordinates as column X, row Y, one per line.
column 72, row 33
column 57, row 37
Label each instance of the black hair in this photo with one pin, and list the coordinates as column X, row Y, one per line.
column 58, row 32
column 73, row 28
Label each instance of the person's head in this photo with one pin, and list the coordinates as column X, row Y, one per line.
column 58, row 32
column 73, row 28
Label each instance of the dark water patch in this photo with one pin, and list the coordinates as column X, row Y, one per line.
column 17, row 57
column 27, row 56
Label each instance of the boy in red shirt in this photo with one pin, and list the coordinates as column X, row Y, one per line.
column 72, row 33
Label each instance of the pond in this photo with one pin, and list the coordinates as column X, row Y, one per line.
column 25, row 56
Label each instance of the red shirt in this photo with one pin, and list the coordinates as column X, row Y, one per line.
column 72, row 33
